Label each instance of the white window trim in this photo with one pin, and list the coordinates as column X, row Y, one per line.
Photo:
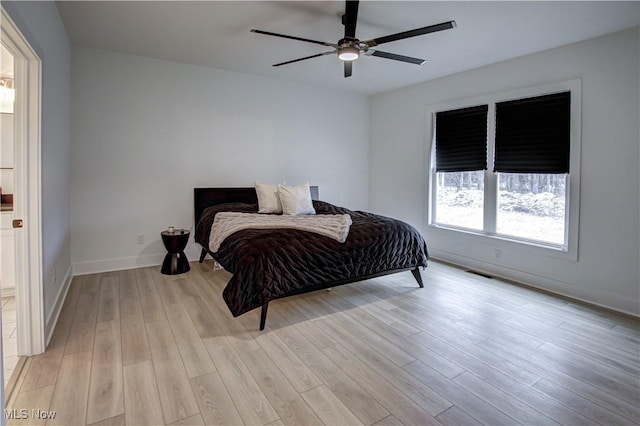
column 570, row 251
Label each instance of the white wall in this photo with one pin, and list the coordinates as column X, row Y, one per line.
column 40, row 23
column 606, row 272
column 145, row 132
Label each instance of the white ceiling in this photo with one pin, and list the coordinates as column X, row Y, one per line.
column 216, row 34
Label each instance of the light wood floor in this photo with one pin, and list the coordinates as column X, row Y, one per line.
column 137, row 347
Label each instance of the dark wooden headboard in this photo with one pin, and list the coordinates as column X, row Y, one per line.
column 207, row 197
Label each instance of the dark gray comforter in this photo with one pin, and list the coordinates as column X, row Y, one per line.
column 275, row 263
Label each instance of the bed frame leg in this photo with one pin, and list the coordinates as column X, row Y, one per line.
column 417, row 276
column 202, row 255
column 263, row 315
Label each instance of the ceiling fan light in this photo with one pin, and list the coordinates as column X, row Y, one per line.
column 349, row 53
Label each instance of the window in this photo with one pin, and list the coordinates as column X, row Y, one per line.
column 460, row 199
column 461, row 155
column 526, row 139
column 532, row 206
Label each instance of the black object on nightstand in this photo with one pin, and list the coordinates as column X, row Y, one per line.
column 175, row 262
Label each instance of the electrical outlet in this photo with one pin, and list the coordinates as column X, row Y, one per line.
column 498, row 254
column 140, row 239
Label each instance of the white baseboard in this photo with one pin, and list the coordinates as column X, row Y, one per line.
column 119, row 264
column 52, row 317
column 560, row 288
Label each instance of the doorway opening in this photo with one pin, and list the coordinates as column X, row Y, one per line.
column 7, row 192
column 25, row 181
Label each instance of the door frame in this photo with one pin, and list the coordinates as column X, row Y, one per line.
column 27, row 183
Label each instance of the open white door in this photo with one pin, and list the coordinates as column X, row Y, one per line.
column 27, row 183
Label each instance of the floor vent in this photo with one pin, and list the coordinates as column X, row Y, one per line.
column 479, row 273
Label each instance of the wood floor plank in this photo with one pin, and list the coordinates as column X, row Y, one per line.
column 210, row 291
column 581, row 405
column 428, row 399
column 411, row 344
column 249, row 399
column 283, row 396
column 617, row 381
column 309, row 329
column 190, row 421
column 106, row 385
column 391, row 351
column 398, row 404
column 298, row 374
column 540, row 366
column 135, row 346
column 602, row 334
column 576, row 342
column 590, row 313
column 352, row 395
column 70, row 395
column 389, row 421
column 200, row 314
column 83, row 327
column 168, row 291
column 538, row 400
column 194, row 355
column 476, row 359
column 622, row 381
column 501, row 332
column 628, row 328
column 454, row 416
column 113, row 421
column 432, row 322
column 503, row 401
column 141, row 399
column 458, row 395
column 288, row 311
column 176, row 396
column 149, row 298
column 216, row 406
column 109, row 301
column 38, row 399
column 128, row 292
column 43, row 369
column 328, row 407
column 372, row 299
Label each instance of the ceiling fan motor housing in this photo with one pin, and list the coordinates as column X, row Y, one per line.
column 350, row 49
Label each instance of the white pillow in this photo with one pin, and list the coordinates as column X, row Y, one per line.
column 296, row 199
column 268, row 199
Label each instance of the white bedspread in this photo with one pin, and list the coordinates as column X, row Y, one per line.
column 334, row 226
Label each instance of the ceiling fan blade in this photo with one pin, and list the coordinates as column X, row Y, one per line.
column 412, row 33
column 324, row 43
column 396, row 57
column 305, row 58
column 348, row 68
column 350, row 18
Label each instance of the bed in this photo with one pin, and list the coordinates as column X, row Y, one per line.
column 269, row 264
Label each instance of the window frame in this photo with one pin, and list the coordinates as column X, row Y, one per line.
column 569, row 250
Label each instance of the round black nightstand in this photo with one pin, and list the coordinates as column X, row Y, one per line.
column 175, row 262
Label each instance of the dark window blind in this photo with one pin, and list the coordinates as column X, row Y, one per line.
column 461, row 139
column 533, row 134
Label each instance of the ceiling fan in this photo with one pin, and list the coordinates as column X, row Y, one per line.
column 349, row 48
